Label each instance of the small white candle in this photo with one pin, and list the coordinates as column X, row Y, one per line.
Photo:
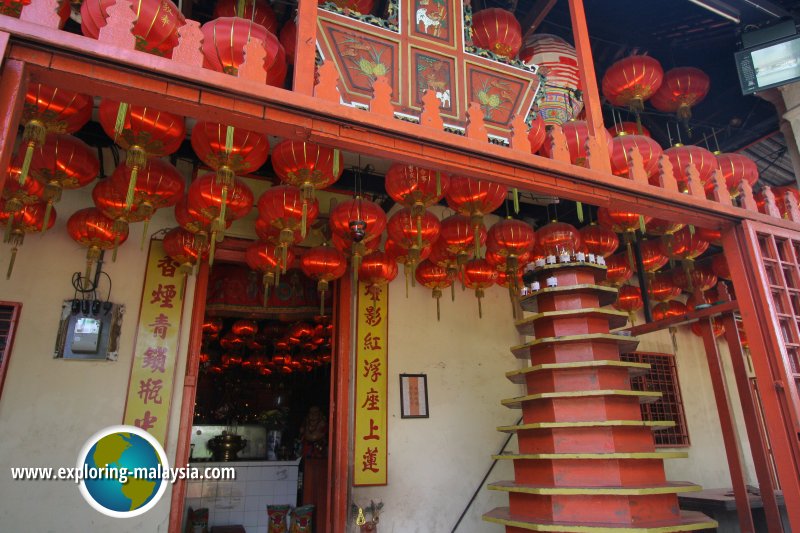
column 551, row 260
column 601, row 260
column 524, row 291
column 564, row 257
column 552, row 281
column 539, row 262
column 580, row 256
column 535, row 286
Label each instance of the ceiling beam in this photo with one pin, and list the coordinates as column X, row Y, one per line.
column 534, row 17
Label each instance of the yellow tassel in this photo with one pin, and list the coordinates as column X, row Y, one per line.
column 515, row 193
column 48, row 211
column 414, row 274
column 229, row 139
column 628, row 246
column 26, row 163
column 119, row 125
column 284, row 253
column 304, row 219
column 322, row 303
column 438, row 183
column 11, row 262
column 223, row 208
column 453, row 292
column 641, row 224
column 131, row 188
column 9, row 227
column 579, row 206
column 438, row 310
column 480, row 308
column 88, row 273
column 336, row 162
column 691, row 230
column 477, row 238
column 183, row 286
column 419, row 232
column 212, row 248
column 116, row 247
column 277, row 277
column 266, row 292
column 144, row 233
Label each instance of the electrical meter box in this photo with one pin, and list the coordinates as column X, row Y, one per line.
column 89, row 330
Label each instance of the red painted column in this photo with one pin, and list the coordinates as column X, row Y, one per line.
column 591, row 95
column 13, row 84
column 732, row 448
column 305, row 52
column 188, row 397
column 749, row 285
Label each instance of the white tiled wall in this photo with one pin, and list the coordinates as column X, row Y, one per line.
column 244, row 501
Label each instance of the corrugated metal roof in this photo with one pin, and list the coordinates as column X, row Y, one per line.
column 772, row 158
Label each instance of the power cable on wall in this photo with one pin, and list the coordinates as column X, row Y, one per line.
column 485, row 477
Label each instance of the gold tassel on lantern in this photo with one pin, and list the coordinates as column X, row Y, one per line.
column 16, row 240
column 479, row 294
column 437, row 293
column 34, row 134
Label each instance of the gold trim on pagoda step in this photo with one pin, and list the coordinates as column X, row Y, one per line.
column 626, row 343
column 558, row 266
column 688, row 521
column 634, row 369
column 653, row 424
column 665, row 488
column 601, row 456
column 643, row 396
column 607, row 295
column 616, row 319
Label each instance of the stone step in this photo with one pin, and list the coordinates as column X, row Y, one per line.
column 634, row 369
column 644, row 396
column 546, row 426
column 607, row 295
column 689, row 521
column 616, row 319
column 665, row 488
column 624, row 342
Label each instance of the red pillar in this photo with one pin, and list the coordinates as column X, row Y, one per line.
column 306, row 50
column 188, row 397
column 13, row 84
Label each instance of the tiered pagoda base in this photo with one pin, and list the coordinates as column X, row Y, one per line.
column 586, row 462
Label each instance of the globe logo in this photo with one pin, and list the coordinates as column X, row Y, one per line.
column 122, row 470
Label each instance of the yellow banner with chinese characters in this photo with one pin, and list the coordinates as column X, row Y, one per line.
column 370, row 452
column 156, row 350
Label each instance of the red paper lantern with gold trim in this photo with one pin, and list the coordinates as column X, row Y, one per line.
column 682, row 156
column 219, row 204
column 537, row 135
column 282, row 208
column 735, row 169
column 701, row 277
column 155, row 29
column 577, row 133
column 246, row 152
column 632, row 80
column 417, row 188
column 513, row 241
column 267, row 259
column 662, row 288
column 224, row 40
column 498, row 31
column 716, row 326
column 18, row 195
column 683, row 245
column 413, row 233
column 618, row 269
column 63, row 162
column 111, row 201
column 195, row 222
column 670, row 309
column 324, row 264
column 288, row 38
column 363, row 7
column 92, row 229
column 479, row 274
column 621, row 221
column 719, row 265
column 653, row 257
column 29, row 218
column 377, row 270
column 183, row 247
column 661, row 226
column 361, row 218
column 630, row 128
column 629, row 299
column 621, row 146
column 457, row 237
column 599, row 240
column 558, row 237
column 682, row 89
column 475, row 198
column 258, row 11
column 436, row 278
column 403, row 256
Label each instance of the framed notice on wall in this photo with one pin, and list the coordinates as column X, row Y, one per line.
column 413, row 396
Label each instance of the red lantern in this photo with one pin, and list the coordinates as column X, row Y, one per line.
column 358, row 222
column 258, row 11
column 435, row 278
column 244, row 328
column 621, row 146
column 557, row 238
column 479, row 274
column 717, row 328
column 155, row 29
column 662, row 288
column 537, row 135
column 288, row 38
column 183, row 247
column 245, row 153
column 577, row 133
column 16, row 195
column 618, row 269
column 457, row 238
column 629, row 128
column 683, row 245
column 735, row 169
column 63, row 162
column 714, row 236
column 91, row 228
column 621, row 221
column 219, row 203
column 670, row 309
column 50, row 110
column 324, row 264
column 277, row 74
column 719, row 265
column 498, row 31
column 513, row 240
column 144, row 132
column 415, row 187
column 660, row 226
column 27, row 219
column 111, row 201
column 212, row 327
column 629, row 299
column 196, row 223
column 224, row 40
column 363, row 7
column 413, row 233
column 653, row 257
column 682, row 156
column 682, row 89
column 403, row 256
column 475, row 198
column 286, row 212
column 780, row 198
column 701, row 277
column 267, row 259
column 599, row 240
column 377, row 270
column 632, row 80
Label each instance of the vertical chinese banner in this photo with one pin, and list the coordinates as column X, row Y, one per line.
column 370, row 450
column 156, row 350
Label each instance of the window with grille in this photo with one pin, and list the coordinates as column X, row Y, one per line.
column 9, row 314
column 662, row 377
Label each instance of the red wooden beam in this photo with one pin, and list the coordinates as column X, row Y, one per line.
column 753, row 424
column 749, row 283
column 536, row 14
column 186, row 419
column 305, row 51
column 13, row 85
column 687, row 318
column 729, row 436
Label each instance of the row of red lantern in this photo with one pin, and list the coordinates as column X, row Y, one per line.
column 734, row 168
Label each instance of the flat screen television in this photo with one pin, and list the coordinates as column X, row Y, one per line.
column 769, row 65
